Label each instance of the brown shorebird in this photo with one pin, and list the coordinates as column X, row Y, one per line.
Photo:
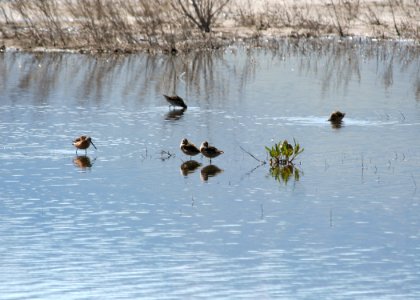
column 336, row 117
column 175, row 101
column 83, row 142
column 209, row 151
column 188, row 148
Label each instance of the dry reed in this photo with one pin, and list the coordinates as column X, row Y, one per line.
column 125, row 26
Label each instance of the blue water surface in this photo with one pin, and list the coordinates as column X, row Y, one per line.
column 125, row 221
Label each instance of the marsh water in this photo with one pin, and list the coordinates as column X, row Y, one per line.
column 126, row 221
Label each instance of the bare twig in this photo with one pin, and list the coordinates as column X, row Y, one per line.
column 263, row 162
column 337, row 19
column 200, row 12
column 164, row 155
column 393, row 17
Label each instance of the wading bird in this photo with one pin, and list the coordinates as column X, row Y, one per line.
column 188, row 148
column 175, row 101
column 83, row 142
column 209, row 151
column 336, row 117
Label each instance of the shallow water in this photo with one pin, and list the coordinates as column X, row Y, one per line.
column 126, row 222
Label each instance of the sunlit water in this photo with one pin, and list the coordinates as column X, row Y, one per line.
column 126, row 223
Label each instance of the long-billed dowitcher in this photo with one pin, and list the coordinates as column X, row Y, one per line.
column 188, row 148
column 336, row 117
column 175, row 101
column 209, row 151
column 83, row 142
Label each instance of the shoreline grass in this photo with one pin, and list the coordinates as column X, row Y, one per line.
column 172, row 26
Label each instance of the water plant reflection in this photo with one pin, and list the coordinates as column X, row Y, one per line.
column 189, row 167
column 210, row 171
column 284, row 173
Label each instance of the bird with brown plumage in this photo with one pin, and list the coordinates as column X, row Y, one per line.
column 175, row 101
column 209, row 151
column 336, row 116
column 83, row 142
column 188, row 148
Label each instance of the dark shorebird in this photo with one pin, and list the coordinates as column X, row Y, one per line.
column 188, row 148
column 209, row 151
column 175, row 101
column 336, row 117
column 83, row 142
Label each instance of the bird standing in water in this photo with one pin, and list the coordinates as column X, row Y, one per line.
column 83, row 142
column 209, row 151
column 336, row 117
column 188, row 148
column 175, row 101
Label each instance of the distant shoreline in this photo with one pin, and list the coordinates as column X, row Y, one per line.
column 32, row 26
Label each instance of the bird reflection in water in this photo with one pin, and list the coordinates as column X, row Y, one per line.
column 175, row 114
column 83, row 162
column 210, row 171
column 336, row 125
column 189, row 167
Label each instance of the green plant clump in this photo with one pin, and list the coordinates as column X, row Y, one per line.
column 283, row 153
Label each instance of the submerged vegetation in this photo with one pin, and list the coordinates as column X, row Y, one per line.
column 125, row 26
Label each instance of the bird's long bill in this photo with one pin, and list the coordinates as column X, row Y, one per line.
column 93, row 145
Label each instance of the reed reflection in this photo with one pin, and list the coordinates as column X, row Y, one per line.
column 210, row 171
column 207, row 75
column 83, row 162
column 189, row 167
